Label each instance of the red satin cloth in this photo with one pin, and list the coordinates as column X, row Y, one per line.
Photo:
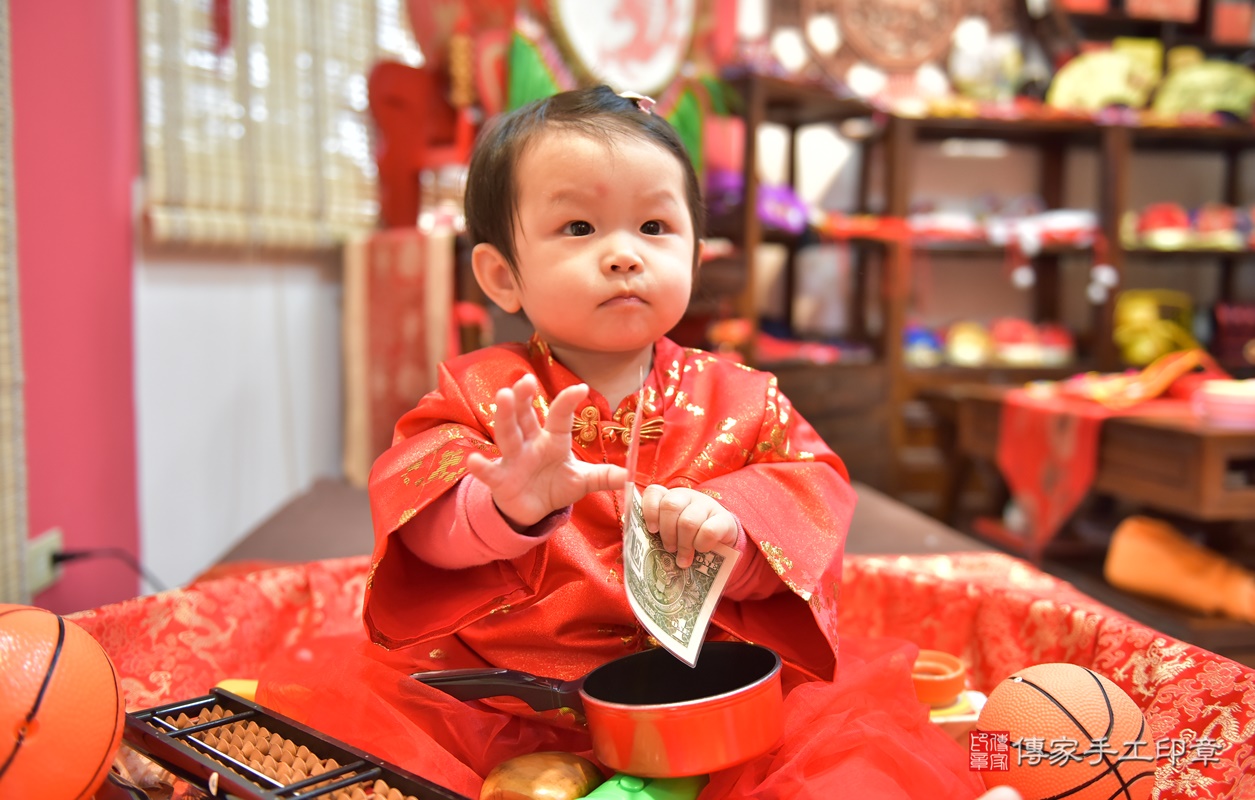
column 998, row 613
column 1048, row 455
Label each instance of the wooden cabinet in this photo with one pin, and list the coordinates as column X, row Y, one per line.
column 848, row 404
column 874, row 414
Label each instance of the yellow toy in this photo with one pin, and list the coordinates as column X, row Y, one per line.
column 1150, row 323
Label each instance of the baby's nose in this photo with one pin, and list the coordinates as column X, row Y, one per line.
column 623, row 257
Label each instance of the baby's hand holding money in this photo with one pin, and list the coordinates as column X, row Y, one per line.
column 687, row 521
column 537, row 473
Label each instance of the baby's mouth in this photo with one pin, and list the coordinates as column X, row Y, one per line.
column 623, row 299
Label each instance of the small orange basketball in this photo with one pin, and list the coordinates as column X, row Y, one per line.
column 1071, row 733
column 61, row 708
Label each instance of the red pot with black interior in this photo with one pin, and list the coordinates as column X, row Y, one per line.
column 650, row 714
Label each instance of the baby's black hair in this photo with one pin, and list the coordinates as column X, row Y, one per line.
column 491, row 193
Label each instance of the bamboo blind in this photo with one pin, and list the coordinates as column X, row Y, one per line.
column 265, row 141
column 12, row 413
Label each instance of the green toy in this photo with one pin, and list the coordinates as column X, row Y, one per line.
column 630, row 787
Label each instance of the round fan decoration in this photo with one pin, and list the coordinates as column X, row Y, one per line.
column 894, row 35
column 636, row 45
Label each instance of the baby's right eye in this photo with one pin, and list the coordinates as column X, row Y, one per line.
column 578, row 228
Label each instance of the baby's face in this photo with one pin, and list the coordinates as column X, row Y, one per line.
column 604, row 241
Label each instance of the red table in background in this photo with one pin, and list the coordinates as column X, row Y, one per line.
column 1173, row 462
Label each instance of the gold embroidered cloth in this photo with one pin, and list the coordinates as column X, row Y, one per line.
column 999, row 613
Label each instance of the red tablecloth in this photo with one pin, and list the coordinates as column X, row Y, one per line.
column 997, row 612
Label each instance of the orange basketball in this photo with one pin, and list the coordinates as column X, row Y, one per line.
column 1071, row 733
column 61, row 709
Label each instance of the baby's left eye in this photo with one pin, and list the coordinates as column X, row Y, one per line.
column 652, row 228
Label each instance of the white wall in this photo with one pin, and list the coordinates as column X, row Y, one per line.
column 238, row 393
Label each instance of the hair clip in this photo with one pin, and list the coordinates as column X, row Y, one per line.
column 643, row 102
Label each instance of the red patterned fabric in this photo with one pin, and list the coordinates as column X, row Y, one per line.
column 398, row 326
column 999, row 613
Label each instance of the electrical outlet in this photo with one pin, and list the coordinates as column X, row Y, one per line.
column 40, row 571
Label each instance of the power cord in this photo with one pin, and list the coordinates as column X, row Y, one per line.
column 110, row 552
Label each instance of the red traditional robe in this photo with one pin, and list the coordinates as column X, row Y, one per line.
column 560, row 609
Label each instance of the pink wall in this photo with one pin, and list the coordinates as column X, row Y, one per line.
column 76, row 135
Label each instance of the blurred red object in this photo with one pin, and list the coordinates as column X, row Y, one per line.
column 1163, row 216
column 1212, row 217
column 1171, row 10
column 434, row 22
column 1086, row 6
column 1231, row 21
column 417, row 129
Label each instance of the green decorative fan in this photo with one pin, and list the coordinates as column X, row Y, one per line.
column 1206, row 87
column 530, row 77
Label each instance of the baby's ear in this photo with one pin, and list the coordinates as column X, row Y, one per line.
column 495, row 277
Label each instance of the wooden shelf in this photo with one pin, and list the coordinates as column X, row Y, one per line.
column 1187, row 252
column 1193, row 137
column 978, row 248
column 793, row 103
column 1027, row 130
column 872, row 423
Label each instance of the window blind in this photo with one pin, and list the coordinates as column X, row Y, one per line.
column 258, row 132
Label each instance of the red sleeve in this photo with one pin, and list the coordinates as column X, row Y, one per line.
column 794, row 501
column 409, row 600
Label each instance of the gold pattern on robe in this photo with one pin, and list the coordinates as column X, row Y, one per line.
column 407, row 515
column 776, row 558
column 587, row 425
column 436, row 654
column 805, row 594
column 489, row 412
column 776, row 442
column 444, row 470
column 541, row 347
column 584, row 426
column 505, row 609
column 700, row 359
column 613, row 577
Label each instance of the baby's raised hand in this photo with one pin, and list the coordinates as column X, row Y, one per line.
column 537, row 473
column 687, row 521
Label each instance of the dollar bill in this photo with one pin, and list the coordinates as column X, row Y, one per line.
column 674, row 605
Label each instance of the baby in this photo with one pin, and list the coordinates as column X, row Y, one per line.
column 496, row 511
